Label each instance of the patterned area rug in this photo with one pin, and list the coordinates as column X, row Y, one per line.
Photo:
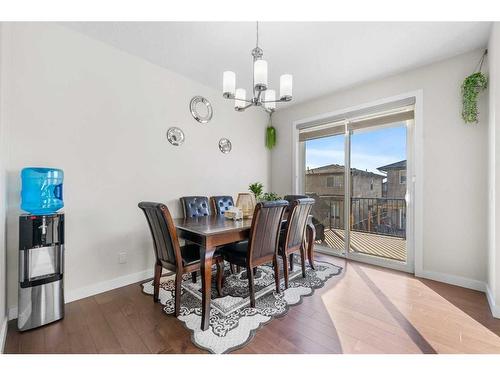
column 233, row 323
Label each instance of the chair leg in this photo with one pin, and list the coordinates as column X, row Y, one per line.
column 303, row 260
column 193, row 277
column 231, row 267
column 178, row 281
column 238, row 269
column 220, row 274
column 156, row 282
column 291, row 262
column 276, row 273
column 285, row 269
column 310, row 244
column 251, row 286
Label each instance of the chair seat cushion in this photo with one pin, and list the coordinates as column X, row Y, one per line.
column 236, row 253
column 191, row 254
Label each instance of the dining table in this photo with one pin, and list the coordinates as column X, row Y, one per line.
column 211, row 232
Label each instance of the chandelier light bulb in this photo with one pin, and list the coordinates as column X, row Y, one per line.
column 240, row 97
column 270, row 96
column 260, row 75
column 286, row 81
column 228, row 84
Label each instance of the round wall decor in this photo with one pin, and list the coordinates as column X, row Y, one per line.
column 175, row 136
column 201, row 109
column 225, row 145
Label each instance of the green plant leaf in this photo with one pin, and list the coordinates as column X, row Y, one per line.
column 271, row 197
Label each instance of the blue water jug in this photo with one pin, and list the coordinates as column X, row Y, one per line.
column 42, row 190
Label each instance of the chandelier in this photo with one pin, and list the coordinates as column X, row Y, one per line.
column 262, row 95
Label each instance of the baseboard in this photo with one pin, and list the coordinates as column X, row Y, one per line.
column 495, row 310
column 453, row 280
column 107, row 285
column 3, row 334
column 93, row 289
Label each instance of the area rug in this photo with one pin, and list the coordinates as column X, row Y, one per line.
column 233, row 323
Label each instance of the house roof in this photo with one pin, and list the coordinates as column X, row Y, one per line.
column 398, row 165
column 336, row 168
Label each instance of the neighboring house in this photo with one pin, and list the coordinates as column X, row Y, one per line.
column 376, row 199
column 329, row 180
column 327, row 184
column 395, row 186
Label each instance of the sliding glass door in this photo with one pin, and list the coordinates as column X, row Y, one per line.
column 356, row 170
column 324, row 181
column 378, row 192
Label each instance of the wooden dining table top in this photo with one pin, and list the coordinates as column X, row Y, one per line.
column 210, row 225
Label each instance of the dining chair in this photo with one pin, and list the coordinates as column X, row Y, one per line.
column 195, row 206
column 318, row 226
column 170, row 255
column 262, row 245
column 221, row 204
column 293, row 238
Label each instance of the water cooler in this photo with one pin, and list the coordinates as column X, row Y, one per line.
column 41, row 249
column 41, row 267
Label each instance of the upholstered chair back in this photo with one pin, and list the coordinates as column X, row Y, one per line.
column 221, row 204
column 291, row 198
column 195, row 206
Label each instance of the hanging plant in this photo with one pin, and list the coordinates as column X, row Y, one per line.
column 471, row 87
column 270, row 134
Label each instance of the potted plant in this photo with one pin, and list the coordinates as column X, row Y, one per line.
column 256, row 188
column 270, row 134
column 471, row 87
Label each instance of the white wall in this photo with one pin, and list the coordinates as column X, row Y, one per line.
column 454, row 200
column 101, row 115
column 3, row 201
column 493, row 173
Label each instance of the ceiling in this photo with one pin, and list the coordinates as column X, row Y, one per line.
column 322, row 56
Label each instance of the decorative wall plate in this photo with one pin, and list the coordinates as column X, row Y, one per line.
column 201, row 109
column 225, row 145
column 175, row 136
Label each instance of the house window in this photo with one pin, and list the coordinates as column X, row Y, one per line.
column 329, row 181
column 334, row 181
column 402, row 177
column 371, row 184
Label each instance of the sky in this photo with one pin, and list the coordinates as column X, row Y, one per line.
column 369, row 150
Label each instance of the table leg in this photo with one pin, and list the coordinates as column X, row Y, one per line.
column 310, row 235
column 206, row 285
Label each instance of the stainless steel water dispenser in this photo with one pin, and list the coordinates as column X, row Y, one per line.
column 41, row 269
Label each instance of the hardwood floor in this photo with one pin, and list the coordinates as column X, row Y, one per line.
column 368, row 310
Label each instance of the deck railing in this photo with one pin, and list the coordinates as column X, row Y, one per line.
column 372, row 215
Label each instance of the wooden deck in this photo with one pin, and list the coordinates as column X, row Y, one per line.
column 368, row 243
